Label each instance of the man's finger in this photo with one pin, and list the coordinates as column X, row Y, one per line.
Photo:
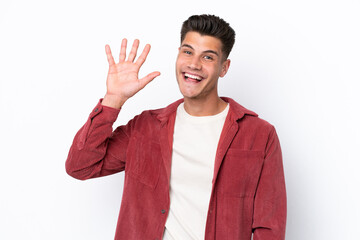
column 143, row 55
column 148, row 78
column 109, row 55
column 133, row 51
column 122, row 55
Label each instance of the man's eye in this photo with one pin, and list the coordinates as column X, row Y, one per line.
column 187, row 52
column 208, row 57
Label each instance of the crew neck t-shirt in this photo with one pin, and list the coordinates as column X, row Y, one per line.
column 194, row 148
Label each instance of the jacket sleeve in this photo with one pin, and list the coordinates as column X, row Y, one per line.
column 93, row 152
column 269, row 219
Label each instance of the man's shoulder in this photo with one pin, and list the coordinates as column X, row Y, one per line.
column 238, row 109
column 245, row 116
column 160, row 114
column 166, row 111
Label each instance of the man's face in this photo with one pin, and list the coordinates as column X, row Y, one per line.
column 199, row 65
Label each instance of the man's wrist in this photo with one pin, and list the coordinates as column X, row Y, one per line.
column 113, row 101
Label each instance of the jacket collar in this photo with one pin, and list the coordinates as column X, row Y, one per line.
column 235, row 109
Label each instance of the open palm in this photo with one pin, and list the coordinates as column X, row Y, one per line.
column 122, row 80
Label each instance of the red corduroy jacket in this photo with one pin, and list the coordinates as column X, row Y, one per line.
column 248, row 194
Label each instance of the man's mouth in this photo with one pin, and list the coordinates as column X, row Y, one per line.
column 192, row 77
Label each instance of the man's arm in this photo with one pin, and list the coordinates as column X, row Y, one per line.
column 269, row 217
column 97, row 150
column 89, row 156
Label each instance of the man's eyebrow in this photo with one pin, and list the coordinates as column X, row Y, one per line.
column 211, row 51
column 187, row 45
column 206, row 51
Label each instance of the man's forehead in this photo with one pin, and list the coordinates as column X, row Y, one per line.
column 202, row 42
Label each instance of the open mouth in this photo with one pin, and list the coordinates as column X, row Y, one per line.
column 192, row 77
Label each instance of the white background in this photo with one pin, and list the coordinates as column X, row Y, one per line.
column 295, row 63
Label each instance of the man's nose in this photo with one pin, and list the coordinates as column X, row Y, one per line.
column 195, row 63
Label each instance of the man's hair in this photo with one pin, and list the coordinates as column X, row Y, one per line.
column 210, row 25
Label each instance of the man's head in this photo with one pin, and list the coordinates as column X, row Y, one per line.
column 211, row 25
column 206, row 42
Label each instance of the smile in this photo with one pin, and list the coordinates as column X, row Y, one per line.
column 192, row 77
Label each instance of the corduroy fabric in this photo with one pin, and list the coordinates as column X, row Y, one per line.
column 248, row 193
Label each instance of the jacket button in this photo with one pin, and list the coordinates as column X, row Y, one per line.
column 163, row 211
column 96, row 109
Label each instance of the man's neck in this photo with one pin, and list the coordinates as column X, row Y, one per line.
column 201, row 107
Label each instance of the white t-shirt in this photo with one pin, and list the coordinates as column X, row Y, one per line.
column 192, row 169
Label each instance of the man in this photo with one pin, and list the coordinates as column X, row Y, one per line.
column 202, row 168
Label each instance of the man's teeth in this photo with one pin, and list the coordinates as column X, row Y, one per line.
column 193, row 76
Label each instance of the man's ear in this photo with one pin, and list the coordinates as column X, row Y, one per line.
column 225, row 67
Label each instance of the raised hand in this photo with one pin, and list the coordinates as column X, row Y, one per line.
column 122, row 80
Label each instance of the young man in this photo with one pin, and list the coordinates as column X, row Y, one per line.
column 202, row 168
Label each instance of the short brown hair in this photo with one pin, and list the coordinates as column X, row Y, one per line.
column 210, row 25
